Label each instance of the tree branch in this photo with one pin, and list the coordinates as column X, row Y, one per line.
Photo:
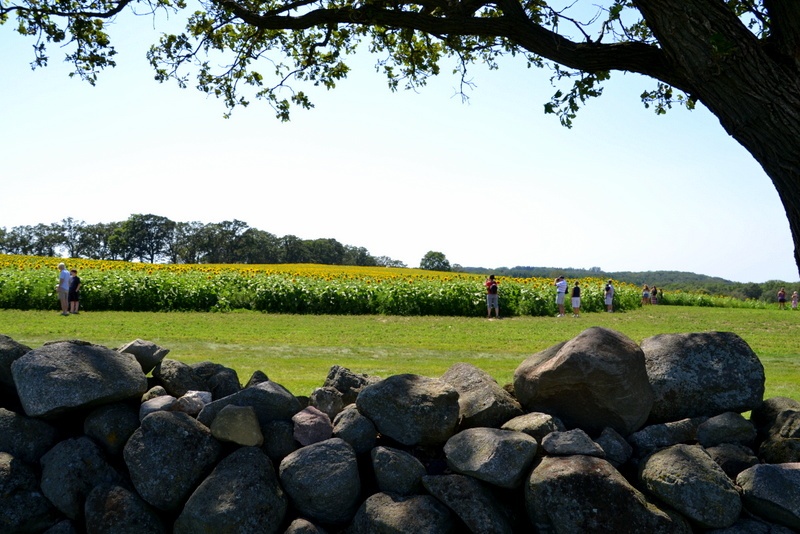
column 784, row 18
column 514, row 26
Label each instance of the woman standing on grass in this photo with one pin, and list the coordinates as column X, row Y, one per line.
column 576, row 300
column 645, row 295
column 782, row 299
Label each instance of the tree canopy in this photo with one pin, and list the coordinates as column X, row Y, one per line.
column 739, row 58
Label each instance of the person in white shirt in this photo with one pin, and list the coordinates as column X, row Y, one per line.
column 561, row 292
column 609, row 293
column 63, row 288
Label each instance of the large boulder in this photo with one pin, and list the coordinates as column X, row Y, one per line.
column 499, row 457
column 702, row 374
column 71, row 470
column 168, row 456
column 10, row 351
column 411, row 409
column 322, row 481
column 112, row 509
column 24, row 508
column 596, row 380
column 111, row 426
column 67, row 375
column 355, row 429
column 25, row 438
column 481, row 400
column 580, row 494
column 472, row 501
column 242, row 494
column 385, row 513
column 687, row 479
column 178, row 378
column 773, row 492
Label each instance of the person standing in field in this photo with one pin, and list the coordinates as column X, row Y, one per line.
column 74, row 291
column 645, row 295
column 782, row 299
column 654, row 295
column 492, row 300
column 609, row 296
column 794, row 300
column 561, row 292
column 576, row 299
column 63, row 288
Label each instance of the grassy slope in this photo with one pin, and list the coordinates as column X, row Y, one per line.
column 298, row 350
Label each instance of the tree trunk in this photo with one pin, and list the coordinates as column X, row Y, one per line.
column 753, row 89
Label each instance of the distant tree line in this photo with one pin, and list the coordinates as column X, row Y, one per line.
column 155, row 239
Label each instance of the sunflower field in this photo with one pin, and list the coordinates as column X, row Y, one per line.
column 28, row 283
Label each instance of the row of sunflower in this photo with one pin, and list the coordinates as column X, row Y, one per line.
column 27, row 283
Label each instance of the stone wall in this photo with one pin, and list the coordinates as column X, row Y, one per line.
column 597, row 434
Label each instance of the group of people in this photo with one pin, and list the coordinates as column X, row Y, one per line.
column 782, row 299
column 562, row 288
column 68, row 289
column 649, row 295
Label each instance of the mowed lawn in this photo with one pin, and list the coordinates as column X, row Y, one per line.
column 298, row 350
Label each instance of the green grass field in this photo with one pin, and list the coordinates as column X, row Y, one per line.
column 298, row 350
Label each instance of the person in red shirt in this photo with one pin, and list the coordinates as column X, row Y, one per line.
column 491, row 297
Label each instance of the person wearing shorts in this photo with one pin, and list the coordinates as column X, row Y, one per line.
column 492, row 300
column 576, row 300
column 561, row 293
column 782, row 299
column 63, row 288
column 609, row 296
column 74, row 291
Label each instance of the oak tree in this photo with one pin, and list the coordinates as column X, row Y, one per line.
column 738, row 58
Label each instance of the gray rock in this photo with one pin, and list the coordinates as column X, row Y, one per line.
column 482, row 402
column 702, row 374
column 168, row 456
column 475, row 504
column 535, row 424
column 355, row 429
column 322, row 481
column 728, row 427
column 348, row 383
column 596, row 380
column 384, row 513
column 278, row 439
column 24, row 509
column 162, row 403
column 10, row 351
column 238, row 424
column 772, row 492
column 242, row 494
column 397, row 471
column 303, row 526
column 662, row 435
column 70, row 470
column 732, row 458
column 68, row 375
column 411, row 409
column 191, row 402
column 574, row 441
column 116, row 510
column 687, row 479
column 771, row 415
column 256, row 378
column 616, row 449
column 222, row 381
column 25, row 438
column 270, row 400
column 153, row 392
column 311, row 426
column 580, row 494
column 178, row 378
column 746, row 525
column 327, row 400
column 111, row 426
column 499, row 457
column 778, row 450
column 147, row 353
column 62, row 527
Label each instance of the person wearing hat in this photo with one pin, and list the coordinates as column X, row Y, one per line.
column 561, row 292
column 609, row 293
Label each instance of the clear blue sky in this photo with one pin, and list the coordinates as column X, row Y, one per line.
column 492, row 182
